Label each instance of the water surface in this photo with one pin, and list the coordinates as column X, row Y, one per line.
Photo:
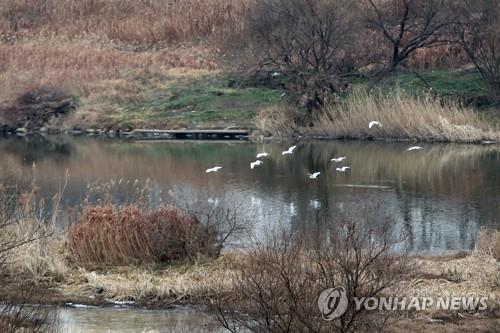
column 441, row 195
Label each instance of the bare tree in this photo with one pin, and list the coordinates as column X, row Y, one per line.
column 279, row 282
column 309, row 42
column 479, row 36
column 409, row 25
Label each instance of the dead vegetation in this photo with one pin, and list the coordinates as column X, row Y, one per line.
column 276, row 288
column 403, row 116
column 36, row 108
column 133, row 235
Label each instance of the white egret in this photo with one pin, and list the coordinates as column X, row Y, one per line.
column 289, row 151
column 338, row 159
column 343, row 169
column 415, row 148
column 263, row 155
column 314, row 175
column 373, row 123
column 256, row 163
column 214, row 169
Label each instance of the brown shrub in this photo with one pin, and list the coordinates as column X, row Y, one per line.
column 106, row 235
column 33, row 109
column 278, row 284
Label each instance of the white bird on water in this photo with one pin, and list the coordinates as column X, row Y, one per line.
column 214, row 169
column 338, row 159
column 343, row 169
column 263, row 155
column 289, row 151
column 256, row 163
column 314, row 175
column 415, row 148
column 373, row 123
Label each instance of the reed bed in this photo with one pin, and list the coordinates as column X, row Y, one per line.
column 144, row 22
column 106, row 235
column 404, row 117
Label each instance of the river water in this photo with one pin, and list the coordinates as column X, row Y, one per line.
column 441, row 195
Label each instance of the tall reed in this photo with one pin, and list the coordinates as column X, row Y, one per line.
column 106, row 235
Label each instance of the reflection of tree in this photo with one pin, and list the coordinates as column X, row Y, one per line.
column 34, row 149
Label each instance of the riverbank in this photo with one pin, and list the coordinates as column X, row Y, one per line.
column 464, row 274
column 193, row 98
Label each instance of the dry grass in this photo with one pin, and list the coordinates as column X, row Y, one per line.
column 404, row 117
column 78, row 66
column 277, row 121
column 106, row 235
column 28, row 231
column 488, row 241
column 133, row 22
column 173, row 284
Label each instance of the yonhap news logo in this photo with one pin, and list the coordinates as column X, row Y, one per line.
column 334, row 302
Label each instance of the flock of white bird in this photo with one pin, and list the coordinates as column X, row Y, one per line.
column 313, row 175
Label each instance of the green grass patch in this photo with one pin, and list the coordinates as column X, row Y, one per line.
column 199, row 101
column 460, row 83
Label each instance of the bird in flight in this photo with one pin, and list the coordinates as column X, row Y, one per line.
column 415, row 148
column 256, row 163
column 373, row 123
column 314, row 175
column 214, row 169
column 338, row 159
column 289, row 151
column 343, row 169
column 263, row 155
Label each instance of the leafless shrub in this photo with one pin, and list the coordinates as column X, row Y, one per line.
column 406, row 26
column 478, row 33
column 22, row 225
column 34, row 108
column 309, row 42
column 278, row 285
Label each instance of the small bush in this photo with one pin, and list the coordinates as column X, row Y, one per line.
column 34, row 108
column 106, row 235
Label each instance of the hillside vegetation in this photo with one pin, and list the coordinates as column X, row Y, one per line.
column 219, row 63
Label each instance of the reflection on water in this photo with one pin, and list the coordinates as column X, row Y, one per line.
column 441, row 195
column 129, row 320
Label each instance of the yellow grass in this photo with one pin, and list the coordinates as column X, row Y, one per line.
column 196, row 282
column 403, row 117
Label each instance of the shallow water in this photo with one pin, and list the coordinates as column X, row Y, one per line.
column 130, row 320
column 441, row 195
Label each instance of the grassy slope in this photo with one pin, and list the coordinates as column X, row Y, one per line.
column 208, row 100
column 191, row 98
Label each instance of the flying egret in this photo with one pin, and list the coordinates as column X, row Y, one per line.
column 314, row 175
column 289, row 151
column 373, row 123
column 214, row 169
column 343, row 169
column 338, row 159
column 415, row 148
column 263, row 155
column 256, row 163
